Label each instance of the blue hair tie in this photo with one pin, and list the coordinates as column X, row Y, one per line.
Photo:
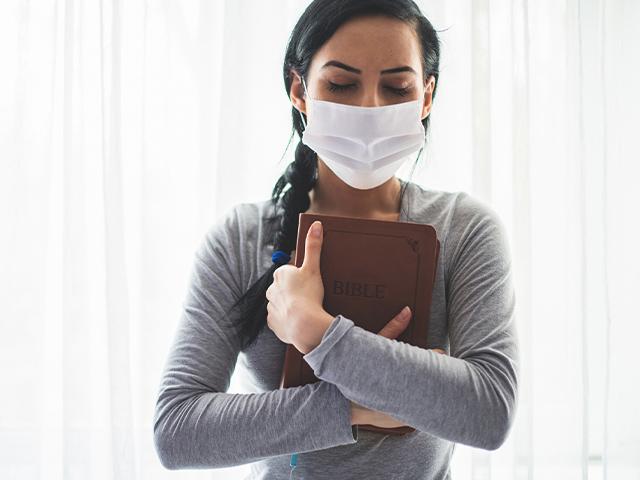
column 293, row 463
column 280, row 257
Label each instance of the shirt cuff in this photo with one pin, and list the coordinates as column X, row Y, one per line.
column 338, row 328
column 335, row 417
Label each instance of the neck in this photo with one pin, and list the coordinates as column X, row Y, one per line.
column 331, row 196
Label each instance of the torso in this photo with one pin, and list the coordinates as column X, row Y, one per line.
column 427, row 455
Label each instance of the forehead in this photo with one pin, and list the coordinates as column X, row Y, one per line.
column 372, row 43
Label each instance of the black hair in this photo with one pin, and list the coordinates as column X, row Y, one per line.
column 314, row 27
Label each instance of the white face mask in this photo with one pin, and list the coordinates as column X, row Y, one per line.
column 363, row 146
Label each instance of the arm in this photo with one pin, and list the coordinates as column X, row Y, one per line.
column 468, row 397
column 196, row 423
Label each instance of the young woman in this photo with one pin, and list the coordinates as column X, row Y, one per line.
column 361, row 76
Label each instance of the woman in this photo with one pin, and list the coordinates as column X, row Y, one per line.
column 346, row 59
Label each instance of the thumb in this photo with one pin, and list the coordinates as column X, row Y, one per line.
column 312, row 247
column 397, row 324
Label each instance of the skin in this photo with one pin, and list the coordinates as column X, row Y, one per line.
column 369, row 44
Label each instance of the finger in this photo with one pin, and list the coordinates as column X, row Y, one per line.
column 312, row 247
column 269, row 314
column 272, row 309
column 439, row 350
column 397, row 324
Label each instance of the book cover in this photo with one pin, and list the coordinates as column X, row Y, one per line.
column 370, row 270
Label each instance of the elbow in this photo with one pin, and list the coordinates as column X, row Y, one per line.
column 166, row 431
column 164, row 449
column 503, row 418
column 496, row 439
column 173, row 435
column 161, row 439
column 495, row 412
column 165, row 441
column 169, row 436
column 491, row 432
column 500, row 407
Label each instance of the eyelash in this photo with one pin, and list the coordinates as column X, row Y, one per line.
column 334, row 87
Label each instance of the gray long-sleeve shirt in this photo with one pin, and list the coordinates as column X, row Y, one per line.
column 468, row 396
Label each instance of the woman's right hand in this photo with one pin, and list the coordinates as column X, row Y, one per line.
column 363, row 415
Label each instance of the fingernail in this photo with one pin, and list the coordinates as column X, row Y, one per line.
column 316, row 228
column 406, row 311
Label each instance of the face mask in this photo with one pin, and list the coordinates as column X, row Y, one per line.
column 363, row 146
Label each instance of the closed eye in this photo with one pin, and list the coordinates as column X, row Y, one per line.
column 399, row 91
column 336, row 87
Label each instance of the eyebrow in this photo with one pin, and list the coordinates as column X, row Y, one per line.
column 348, row 68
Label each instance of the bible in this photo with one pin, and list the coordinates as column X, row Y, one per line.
column 370, row 270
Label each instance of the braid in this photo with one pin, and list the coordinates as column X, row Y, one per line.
column 301, row 175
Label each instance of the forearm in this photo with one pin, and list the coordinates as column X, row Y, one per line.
column 465, row 401
column 214, row 429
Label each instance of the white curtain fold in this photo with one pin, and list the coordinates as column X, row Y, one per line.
column 128, row 127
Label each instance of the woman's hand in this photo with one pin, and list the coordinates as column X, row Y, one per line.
column 366, row 416
column 294, row 309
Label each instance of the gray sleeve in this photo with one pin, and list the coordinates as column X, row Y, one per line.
column 469, row 397
column 196, row 423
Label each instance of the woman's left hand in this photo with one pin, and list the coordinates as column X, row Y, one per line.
column 294, row 309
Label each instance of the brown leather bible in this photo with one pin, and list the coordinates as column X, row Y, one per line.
column 370, row 270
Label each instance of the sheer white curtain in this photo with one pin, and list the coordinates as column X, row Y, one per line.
column 128, row 127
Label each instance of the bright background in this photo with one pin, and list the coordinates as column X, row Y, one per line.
column 128, row 127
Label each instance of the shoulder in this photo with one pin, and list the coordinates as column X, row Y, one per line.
column 240, row 238
column 457, row 207
column 477, row 234
column 452, row 212
column 470, row 208
column 242, row 221
column 466, row 225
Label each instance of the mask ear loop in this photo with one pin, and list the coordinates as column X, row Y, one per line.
column 307, row 94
